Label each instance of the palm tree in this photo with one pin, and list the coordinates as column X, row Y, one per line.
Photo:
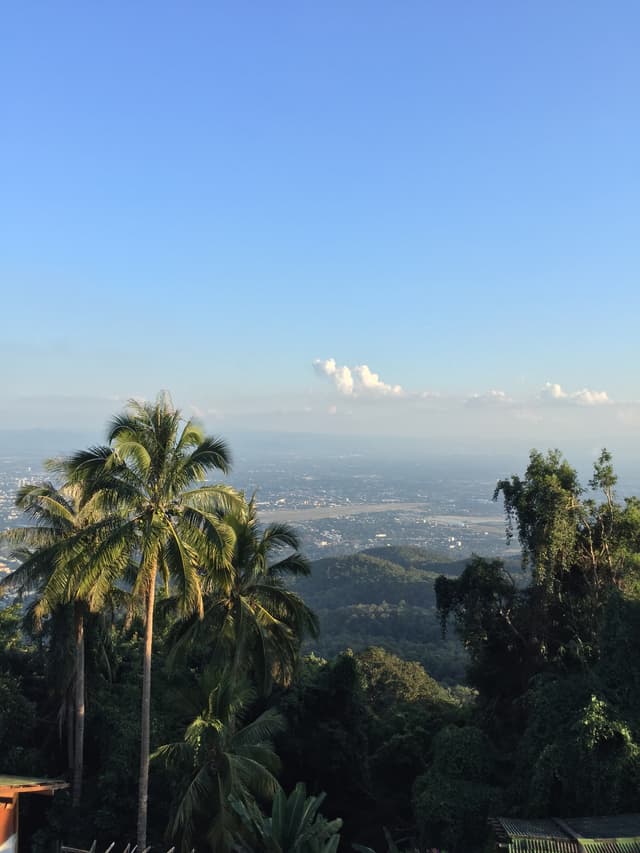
column 221, row 762
column 48, row 568
column 150, row 478
column 251, row 616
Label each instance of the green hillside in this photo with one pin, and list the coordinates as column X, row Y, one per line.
column 384, row 597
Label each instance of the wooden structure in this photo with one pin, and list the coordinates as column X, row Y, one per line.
column 611, row 834
column 11, row 787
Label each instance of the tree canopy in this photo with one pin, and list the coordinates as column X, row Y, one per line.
column 259, row 746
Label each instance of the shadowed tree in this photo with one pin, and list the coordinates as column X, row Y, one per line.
column 221, row 761
column 295, row 825
column 162, row 515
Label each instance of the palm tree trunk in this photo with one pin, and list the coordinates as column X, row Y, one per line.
column 79, row 690
column 68, row 714
column 143, row 785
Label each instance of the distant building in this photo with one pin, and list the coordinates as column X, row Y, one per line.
column 611, row 834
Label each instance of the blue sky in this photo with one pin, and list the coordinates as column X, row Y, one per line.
column 209, row 197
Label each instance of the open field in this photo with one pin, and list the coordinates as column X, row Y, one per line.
column 344, row 511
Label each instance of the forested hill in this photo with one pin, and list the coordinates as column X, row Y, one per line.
column 384, row 597
column 376, row 575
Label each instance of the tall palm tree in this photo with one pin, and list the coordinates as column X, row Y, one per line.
column 221, row 761
column 150, row 478
column 49, row 570
column 250, row 616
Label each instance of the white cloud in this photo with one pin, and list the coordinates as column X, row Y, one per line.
column 370, row 382
column 361, row 382
column 341, row 376
column 553, row 391
column 326, row 367
column 584, row 397
column 356, row 381
column 591, row 398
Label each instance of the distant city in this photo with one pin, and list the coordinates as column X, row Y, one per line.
column 343, row 502
column 348, row 503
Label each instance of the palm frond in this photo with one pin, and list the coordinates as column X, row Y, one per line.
column 254, row 776
column 203, row 789
column 132, row 453
column 173, row 755
column 276, row 536
column 295, row 564
column 263, row 729
column 85, row 465
column 290, row 608
column 192, row 436
column 213, row 499
column 211, row 538
column 212, row 454
column 181, row 561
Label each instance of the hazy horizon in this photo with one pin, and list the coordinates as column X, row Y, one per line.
column 490, row 456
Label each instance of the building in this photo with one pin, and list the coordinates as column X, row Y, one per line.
column 11, row 787
column 612, row 834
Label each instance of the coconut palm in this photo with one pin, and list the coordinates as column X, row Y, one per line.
column 150, row 479
column 250, row 616
column 221, row 762
column 50, row 571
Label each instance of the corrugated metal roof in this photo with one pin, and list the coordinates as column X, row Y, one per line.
column 544, row 845
column 609, row 834
column 19, row 784
column 541, row 828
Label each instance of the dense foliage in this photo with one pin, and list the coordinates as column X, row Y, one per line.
column 554, row 660
column 259, row 746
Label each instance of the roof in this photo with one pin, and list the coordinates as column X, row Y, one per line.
column 28, row 784
column 610, row 834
